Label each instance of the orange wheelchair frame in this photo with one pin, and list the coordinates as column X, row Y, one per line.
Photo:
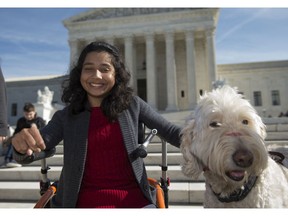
column 48, row 190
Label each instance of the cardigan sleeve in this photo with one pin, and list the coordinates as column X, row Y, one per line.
column 152, row 119
column 52, row 133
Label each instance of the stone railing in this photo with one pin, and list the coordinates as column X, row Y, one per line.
column 276, row 124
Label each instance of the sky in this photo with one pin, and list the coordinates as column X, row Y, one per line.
column 34, row 41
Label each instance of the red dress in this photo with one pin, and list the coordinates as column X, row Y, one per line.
column 108, row 181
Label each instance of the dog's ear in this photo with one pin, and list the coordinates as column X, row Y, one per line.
column 262, row 126
column 263, row 132
column 190, row 166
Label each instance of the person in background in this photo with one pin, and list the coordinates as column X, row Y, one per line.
column 99, row 129
column 30, row 117
column 281, row 114
column 3, row 109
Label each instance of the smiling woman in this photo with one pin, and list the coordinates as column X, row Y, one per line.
column 103, row 78
column 100, row 131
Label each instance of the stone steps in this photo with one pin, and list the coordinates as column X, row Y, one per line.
column 33, row 173
column 156, row 147
column 151, row 159
column 277, row 135
column 179, row 192
column 21, row 185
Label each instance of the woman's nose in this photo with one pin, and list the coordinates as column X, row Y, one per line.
column 98, row 74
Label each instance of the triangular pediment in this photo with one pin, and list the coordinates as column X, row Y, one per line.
column 107, row 13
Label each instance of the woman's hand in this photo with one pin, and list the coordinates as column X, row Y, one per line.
column 28, row 140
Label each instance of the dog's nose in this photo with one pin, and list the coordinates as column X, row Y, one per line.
column 243, row 158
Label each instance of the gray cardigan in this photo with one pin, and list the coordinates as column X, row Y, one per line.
column 73, row 130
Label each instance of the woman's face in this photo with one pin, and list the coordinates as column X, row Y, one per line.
column 97, row 76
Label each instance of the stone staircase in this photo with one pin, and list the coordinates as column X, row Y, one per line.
column 19, row 187
column 22, row 184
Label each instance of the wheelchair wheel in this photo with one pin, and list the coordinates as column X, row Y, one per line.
column 160, row 203
column 46, row 197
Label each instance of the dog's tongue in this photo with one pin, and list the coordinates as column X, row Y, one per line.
column 237, row 175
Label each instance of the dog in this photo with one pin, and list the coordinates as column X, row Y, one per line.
column 225, row 140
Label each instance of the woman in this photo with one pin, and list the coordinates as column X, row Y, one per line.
column 99, row 129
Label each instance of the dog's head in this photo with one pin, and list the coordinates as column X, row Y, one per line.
column 225, row 136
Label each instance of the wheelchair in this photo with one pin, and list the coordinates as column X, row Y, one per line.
column 48, row 189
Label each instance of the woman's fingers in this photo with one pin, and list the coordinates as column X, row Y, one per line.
column 38, row 143
column 28, row 140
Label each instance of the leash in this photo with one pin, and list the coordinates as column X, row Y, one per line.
column 277, row 156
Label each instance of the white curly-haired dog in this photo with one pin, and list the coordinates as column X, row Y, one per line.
column 225, row 141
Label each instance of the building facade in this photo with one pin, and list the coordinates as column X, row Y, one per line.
column 263, row 83
column 170, row 53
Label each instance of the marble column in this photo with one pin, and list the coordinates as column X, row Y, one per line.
column 128, row 43
column 191, row 70
column 210, row 51
column 172, row 103
column 73, row 44
column 151, row 71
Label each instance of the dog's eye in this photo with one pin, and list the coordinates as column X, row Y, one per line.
column 245, row 122
column 215, row 124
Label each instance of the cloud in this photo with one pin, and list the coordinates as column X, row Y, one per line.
column 248, row 18
column 251, row 35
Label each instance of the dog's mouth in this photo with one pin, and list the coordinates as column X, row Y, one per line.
column 236, row 175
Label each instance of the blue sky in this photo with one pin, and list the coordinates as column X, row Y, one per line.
column 33, row 41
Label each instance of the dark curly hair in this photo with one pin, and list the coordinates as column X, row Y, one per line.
column 120, row 95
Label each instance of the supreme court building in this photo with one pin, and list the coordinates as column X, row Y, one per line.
column 169, row 51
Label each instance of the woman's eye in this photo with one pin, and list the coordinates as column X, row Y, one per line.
column 104, row 69
column 245, row 122
column 88, row 69
column 215, row 124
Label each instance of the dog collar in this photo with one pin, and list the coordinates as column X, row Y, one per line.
column 239, row 194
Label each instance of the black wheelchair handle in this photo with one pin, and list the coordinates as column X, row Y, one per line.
column 44, row 154
column 39, row 156
column 141, row 152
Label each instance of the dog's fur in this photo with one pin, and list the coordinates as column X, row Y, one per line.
column 225, row 141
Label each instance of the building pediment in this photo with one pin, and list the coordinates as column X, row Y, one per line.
column 107, row 13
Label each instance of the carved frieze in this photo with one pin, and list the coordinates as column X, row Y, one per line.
column 106, row 13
